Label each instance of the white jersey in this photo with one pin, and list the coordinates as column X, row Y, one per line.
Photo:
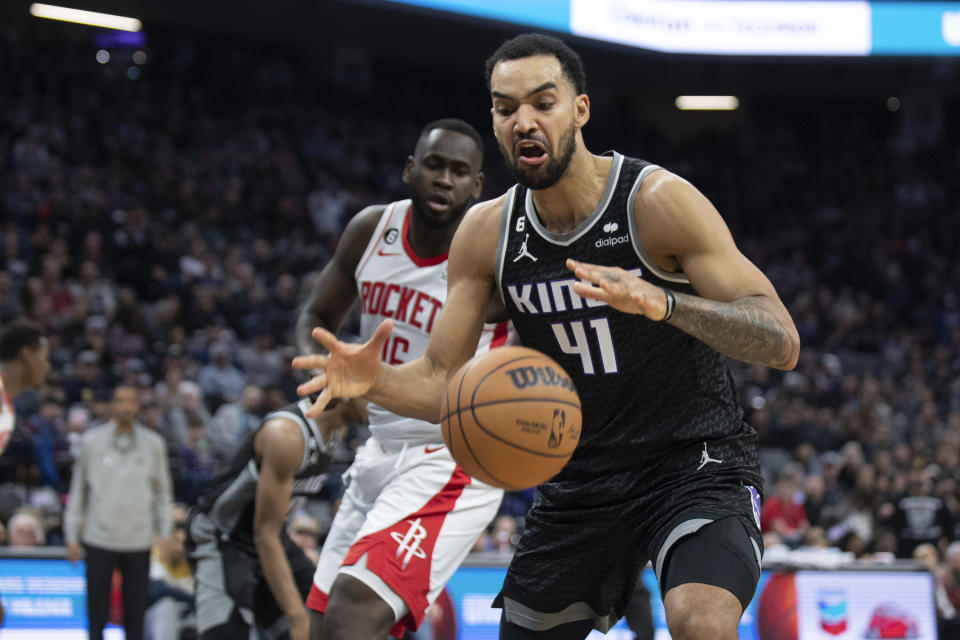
column 394, row 282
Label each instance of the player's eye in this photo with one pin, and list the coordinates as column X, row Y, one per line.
column 544, row 106
column 505, row 111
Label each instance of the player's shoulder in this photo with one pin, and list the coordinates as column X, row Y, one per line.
column 663, row 188
column 485, row 214
column 287, row 420
column 362, row 225
column 281, row 436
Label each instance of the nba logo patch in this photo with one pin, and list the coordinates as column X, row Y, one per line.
column 832, row 604
column 755, row 505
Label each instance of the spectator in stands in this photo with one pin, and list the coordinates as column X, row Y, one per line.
column 783, row 515
column 231, row 423
column 304, row 530
column 171, row 585
column 220, row 380
column 25, row 530
column 119, row 500
column 88, row 378
column 919, row 516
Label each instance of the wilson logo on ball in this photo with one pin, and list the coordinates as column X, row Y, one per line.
column 523, row 377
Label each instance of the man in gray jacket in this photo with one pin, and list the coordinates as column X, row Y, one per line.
column 119, row 499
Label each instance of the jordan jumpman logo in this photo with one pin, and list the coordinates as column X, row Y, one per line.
column 705, row 458
column 523, row 250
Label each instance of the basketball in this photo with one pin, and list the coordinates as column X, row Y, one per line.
column 511, row 417
column 777, row 608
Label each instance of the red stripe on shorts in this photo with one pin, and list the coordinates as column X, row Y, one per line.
column 317, row 600
column 401, row 554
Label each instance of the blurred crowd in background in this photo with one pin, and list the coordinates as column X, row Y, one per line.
column 163, row 229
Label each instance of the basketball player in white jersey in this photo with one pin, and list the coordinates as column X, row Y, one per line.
column 410, row 514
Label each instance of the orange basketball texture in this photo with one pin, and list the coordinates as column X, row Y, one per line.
column 511, row 417
column 777, row 608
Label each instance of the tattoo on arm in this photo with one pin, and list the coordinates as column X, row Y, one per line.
column 744, row 329
column 612, row 277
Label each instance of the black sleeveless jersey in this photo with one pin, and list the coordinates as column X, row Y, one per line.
column 229, row 500
column 647, row 389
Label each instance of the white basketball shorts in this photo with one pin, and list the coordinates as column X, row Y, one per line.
column 407, row 520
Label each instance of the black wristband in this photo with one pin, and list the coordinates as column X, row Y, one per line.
column 671, row 304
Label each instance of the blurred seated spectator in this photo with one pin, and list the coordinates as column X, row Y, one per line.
column 47, row 503
column 87, row 380
column 78, row 418
column 815, row 538
column 177, row 408
column 170, row 591
column 304, row 530
column 505, row 535
column 195, row 467
column 919, row 516
column 262, row 364
column 783, row 515
column 231, row 423
column 25, row 530
column 220, row 380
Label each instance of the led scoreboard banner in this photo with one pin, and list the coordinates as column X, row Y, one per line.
column 736, row 27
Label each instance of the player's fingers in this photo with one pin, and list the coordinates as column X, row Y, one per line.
column 314, row 361
column 584, row 271
column 319, row 404
column 324, row 337
column 314, row 384
column 585, row 290
column 381, row 334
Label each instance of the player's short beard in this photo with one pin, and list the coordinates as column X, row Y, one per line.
column 420, row 205
column 555, row 168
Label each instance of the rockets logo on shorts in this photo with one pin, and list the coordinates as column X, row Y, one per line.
column 410, row 542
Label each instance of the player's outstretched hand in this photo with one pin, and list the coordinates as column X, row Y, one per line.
column 346, row 371
column 621, row 290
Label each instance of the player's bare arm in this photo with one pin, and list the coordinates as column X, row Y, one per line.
column 415, row 389
column 335, row 290
column 737, row 311
column 279, row 446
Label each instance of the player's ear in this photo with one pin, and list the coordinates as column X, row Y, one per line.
column 407, row 168
column 477, row 185
column 581, row 110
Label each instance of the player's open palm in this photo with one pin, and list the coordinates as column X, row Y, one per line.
column 347, row 370
column 621, row 290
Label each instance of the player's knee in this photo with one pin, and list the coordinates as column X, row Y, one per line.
column 355, row 611
column 697, row 624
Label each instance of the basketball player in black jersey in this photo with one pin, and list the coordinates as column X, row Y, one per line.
column 666, row 470
column 248, row 571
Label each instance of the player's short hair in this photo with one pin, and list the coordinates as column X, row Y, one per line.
column 536, row 44
column 17, row 335
column 454, row 124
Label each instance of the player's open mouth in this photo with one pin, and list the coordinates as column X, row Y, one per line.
column 531, row 153
column 438, row 202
